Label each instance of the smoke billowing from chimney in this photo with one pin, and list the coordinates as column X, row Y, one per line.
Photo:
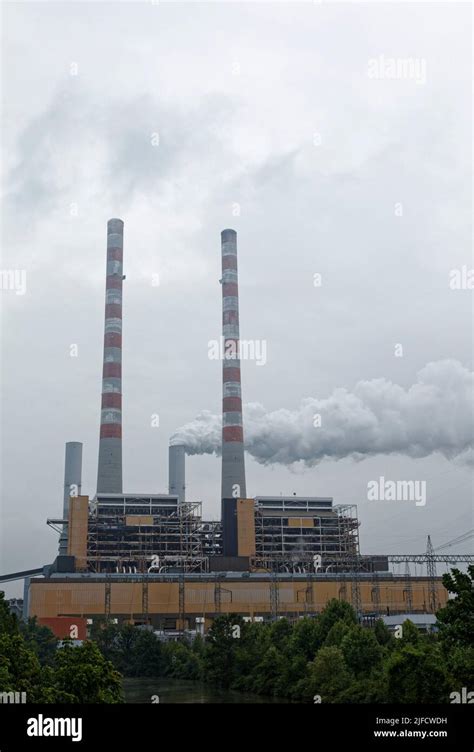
column 435, row 414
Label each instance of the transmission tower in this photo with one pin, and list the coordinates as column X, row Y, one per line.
column 274, row 595
column 431, row 572
column 408, row 588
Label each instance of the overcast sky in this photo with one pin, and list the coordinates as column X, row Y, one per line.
column 268, row 121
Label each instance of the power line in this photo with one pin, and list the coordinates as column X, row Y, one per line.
column 456, row 541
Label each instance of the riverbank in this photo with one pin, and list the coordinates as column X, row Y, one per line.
column 181, row 691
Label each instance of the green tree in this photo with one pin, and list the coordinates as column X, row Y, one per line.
column 333, row 612
column 8, row 621
column 382, row 634
column 456, row 619
column 416, row 674
column 293, row 672
column 337, row 633
column 361, row 651
column 269, row 672
column 460, row 665
column 328, row 675
column 410, row 635
column 84, row 672
column 140, row 653
column 366, row 690
column 305, row 638
column 109, row 637
column 69, row 675
column 253, row 643
column 280, row 633
column 221, row 649
column 20, row 671
column 20, row 667
column 182, row 662
column 41, row 640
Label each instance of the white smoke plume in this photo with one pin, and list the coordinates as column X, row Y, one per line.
column 378, row 417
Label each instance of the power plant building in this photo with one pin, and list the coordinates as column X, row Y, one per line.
column 154, row 558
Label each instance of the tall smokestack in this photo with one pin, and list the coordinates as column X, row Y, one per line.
column 109, row 475
column 72, row 485
column 176, row 474
column 233, row 465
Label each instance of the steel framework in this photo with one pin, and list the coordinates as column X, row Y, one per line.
column 408, row 588
column 182, row 605
column 274, row 596
column 142, row 534
column 287, row 542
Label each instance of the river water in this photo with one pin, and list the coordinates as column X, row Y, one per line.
column 179, row 691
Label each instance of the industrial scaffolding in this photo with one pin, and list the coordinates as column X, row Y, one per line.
column 211, row 538
column 298, row 539
column 150, row 534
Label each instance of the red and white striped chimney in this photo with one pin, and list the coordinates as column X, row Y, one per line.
column 109, row 475
column 233, row 465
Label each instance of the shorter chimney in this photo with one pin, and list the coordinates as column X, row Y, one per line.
column 176, row 476
column 72, row 485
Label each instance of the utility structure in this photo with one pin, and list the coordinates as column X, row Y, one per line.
column 274, row 596
column 431, row 572
column 182, row 604
column 109, row 474
column 409, row 588
column 72, row 486
column 176, row 472
column 233, row 463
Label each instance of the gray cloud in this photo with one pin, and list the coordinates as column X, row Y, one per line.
column 121, row 147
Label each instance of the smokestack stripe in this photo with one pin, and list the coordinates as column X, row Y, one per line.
column 109, row 475
column 233, row 467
